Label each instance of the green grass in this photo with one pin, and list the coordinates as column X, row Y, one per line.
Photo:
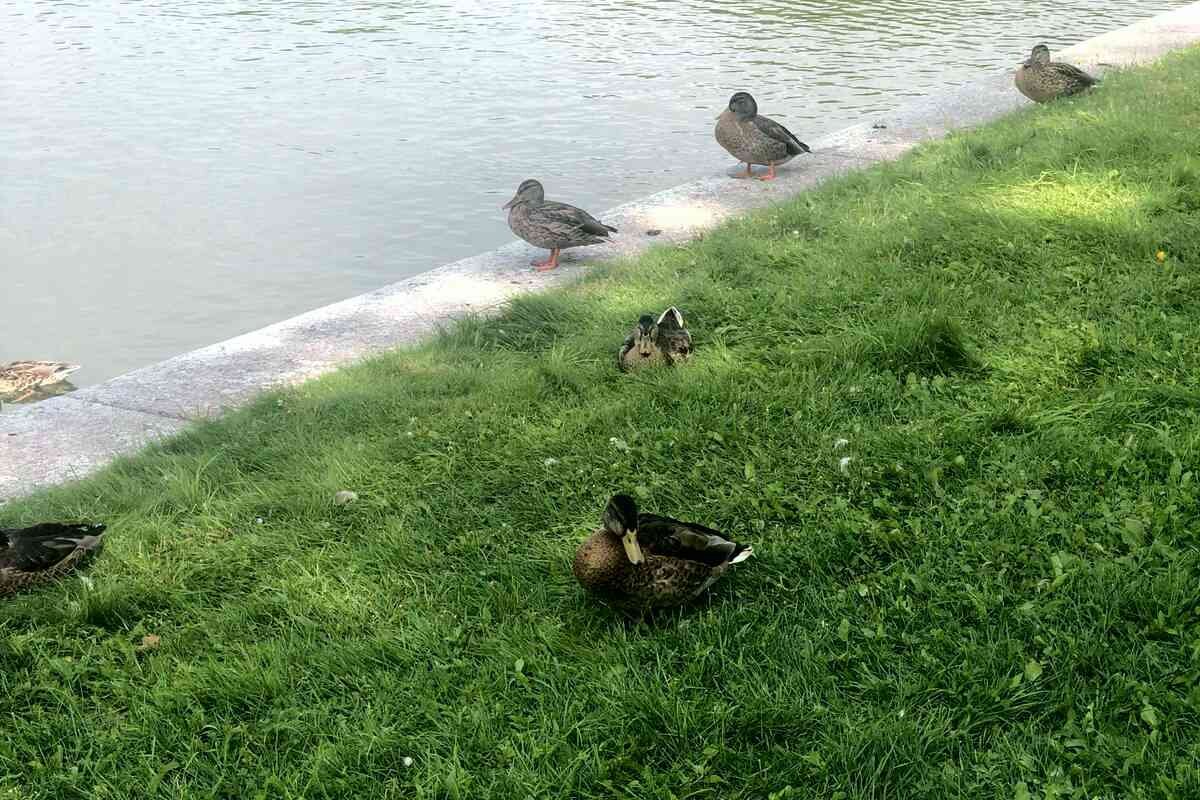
column 998, row 598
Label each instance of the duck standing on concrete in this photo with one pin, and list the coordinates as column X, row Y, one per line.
column 554, row 226
column 1043, row 80
column 20, row 379
column 44, row 553
column 666, row 341
column 644, row 561
column 755, row 139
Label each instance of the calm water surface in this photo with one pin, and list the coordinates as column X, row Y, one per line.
column 175, row 173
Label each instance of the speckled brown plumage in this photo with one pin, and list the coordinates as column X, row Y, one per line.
column 656, row 342
column 44, row 553
column 1043, row 80
column 21, row 379
column 554, row 226
column 753, row 138
column 680, row 559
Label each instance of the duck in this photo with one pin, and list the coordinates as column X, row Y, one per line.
column 755, row 139
column 21, row 379
column 1043, row 80
column 639, row 561
column 44, row 553
column 554, row 226
column 652, row 342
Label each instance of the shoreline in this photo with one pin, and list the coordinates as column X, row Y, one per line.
column 69, row 436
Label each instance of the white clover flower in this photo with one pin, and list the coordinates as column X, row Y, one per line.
column 840, row 443
column 550, row 462
column 844, row 464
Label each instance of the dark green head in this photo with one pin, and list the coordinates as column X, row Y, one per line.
column 530, row 191
column 621, row 521
column 743, row 105
column 1040, row 55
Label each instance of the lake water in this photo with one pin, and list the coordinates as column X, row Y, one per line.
column 175, row 173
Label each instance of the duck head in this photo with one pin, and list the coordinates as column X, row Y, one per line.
column 743, row 105
column 645, row 336
column 1040, row 55
column 621, row 520
column 530, row 191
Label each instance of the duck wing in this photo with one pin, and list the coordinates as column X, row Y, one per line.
column 42, row 546
column 779, row 133
column 664, row 536
column 1073, row 74
column 569, row 219
column 677, row 342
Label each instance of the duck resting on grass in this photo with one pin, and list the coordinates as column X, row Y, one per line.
column 665, row 341
column 554, row 226
column 755, row 139
column 44, row 553
column 1043, row 80
column 644, row 561
column 20, row 380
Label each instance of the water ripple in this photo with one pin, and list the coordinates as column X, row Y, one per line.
column 176, row 173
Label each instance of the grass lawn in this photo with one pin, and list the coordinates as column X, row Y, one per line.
column 998, row 596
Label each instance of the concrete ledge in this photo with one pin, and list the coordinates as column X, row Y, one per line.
column 69, row 436
column 62, row 440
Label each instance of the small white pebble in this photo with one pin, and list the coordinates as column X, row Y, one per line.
column 345, row 496
column 550, row 462
column 407, row 761
column 409, row 434
column 844, row 464
column 258, row 520
column 840, row 443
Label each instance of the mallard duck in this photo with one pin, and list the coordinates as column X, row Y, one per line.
column 644, row 561
column 1042, row 80
column 755, row 139
column 20, row 379
column 665, row 341
column 45, row 553
column 554, row 226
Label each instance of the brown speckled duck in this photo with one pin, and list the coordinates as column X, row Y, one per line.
column 21, row 379
column 665, row 341
column 755, row 139
column 1043, row 80
column 554, row 226
column 44, row 553
column 644, row 561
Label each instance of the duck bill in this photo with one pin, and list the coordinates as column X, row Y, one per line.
column 633, row 550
